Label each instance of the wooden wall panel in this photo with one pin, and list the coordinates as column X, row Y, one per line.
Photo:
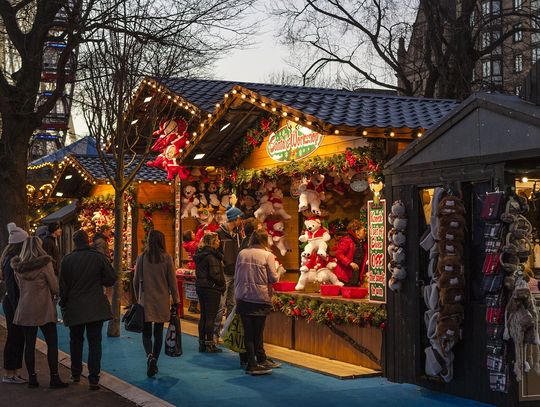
column 278, row 330
column 102, row 190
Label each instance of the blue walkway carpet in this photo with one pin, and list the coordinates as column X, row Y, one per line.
column 216, row 380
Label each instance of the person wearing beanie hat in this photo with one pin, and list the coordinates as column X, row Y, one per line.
column 230, row 235
column 16, row 234
column 14, row 346
column 50, row 245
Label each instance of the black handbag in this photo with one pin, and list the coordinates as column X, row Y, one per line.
column 173, row 339
column 134, row 318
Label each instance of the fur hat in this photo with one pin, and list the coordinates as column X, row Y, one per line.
column 398, row 209
column 398, row 238
column 453, row 309
column 16, row 234
column 454, row 221
column 398, row 255
column 394, row 284
column 399, row 272
column 452, row 295
column 451, row 247
column 451, row 279
column 450, row 205
column 453, row 234
column 400, row 223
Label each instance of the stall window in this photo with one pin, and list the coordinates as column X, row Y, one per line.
column 426, row 195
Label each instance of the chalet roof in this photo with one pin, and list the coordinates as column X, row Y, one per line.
column 84, row 146
column 335, row 107
column 94, row 167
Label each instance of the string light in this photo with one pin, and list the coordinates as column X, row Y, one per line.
column 234, row 91
column 263, row 104
column 364, row 133
column 336, row 131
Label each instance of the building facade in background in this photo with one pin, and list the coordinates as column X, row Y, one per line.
column 503, row 69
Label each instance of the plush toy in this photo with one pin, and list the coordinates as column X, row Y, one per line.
column 307, row 271
column 189, row 202
column 280, row 269
column 247, row 203
column 225, row 201
column 276, row 198
column 311, row 194
column 316, row 237
column 168, row 131
column 276, row 231
column 212, row 195
column 266, row 208
column 325, row 272
column 201, row 195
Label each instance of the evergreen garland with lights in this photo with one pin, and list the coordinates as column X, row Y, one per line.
column 253, row 139
column 148, row 211
column 368, row 159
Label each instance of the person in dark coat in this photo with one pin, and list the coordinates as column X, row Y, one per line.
column 210, row 285
column 230, row 235
column 154, row 269
column 14, row 346
column 83, row 274
column 250, row 225
column 101, row 240
column 50, row 244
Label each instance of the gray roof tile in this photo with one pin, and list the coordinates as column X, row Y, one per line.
column 333, row 106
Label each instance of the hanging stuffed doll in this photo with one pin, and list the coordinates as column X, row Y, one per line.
column 189, row 203
column 351, row 255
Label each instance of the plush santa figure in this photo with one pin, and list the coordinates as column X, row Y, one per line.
column 351, row 254
column 168, row 131
column 316, row 237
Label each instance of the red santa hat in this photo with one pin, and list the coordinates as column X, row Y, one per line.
column 314, row 219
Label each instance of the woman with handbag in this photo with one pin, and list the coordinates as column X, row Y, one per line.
column 255, row 272
column 210, row 285
column 38, row 285
column 154, row 282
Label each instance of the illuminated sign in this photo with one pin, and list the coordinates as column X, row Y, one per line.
column 292, row 142
column 377, row 250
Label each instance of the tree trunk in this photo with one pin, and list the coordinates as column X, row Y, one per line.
column 114, row 324
column 13, row 164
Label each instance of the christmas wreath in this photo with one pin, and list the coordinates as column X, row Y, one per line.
column 148, row 211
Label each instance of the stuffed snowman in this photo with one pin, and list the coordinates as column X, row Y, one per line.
column 316, row 237
column 189, row 202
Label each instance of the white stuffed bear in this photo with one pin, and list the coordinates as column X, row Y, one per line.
column 280, row 269
column 316, row 237
column 276, row 197
column 325, row 274
column 308, row 273
column 189, row 202
column 266, row 208
column 276, row 231
column 212, row 195
column 202, row 194
column 311, row 194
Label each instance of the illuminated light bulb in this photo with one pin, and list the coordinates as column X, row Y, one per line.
column 419, row 134
column 202, row 124
column 274, row 109
column 243, row 96
column 309, row 123
column 392, row 134
column 235, row 91
column 226, row 95
column 187, row 143
column 194, row 133
column 364, row 133
column 155, row 182
column 252, row 100
column 336, row 131
column 169, row 97
column 193, row 112
column 139, row 181
column 209, row 115
column 217, row 105
column 263, row 104
column 524, row 179
column 296, row 119
column 284, row 114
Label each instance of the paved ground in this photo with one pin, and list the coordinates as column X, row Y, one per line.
column 75, row 395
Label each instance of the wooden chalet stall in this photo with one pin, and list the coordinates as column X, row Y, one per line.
column 149, row 202
column 489, row 143
column 266, row 140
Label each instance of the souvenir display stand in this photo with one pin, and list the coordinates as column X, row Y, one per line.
column 468, row 315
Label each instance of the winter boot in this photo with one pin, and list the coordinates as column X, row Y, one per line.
column 212, row 348
column 32, row 381
column 57, row 383
column 202, row 346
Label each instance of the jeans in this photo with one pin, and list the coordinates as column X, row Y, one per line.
column 76, row 341
column 253, row 338
column 158, row 338
column 14, row 346
column 51, row 338
column 226, row 304
column 209, row 300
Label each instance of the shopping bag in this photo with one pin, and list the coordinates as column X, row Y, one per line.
column 134, row 319
column 233, row 336
column 227, row 322
column 173, row 339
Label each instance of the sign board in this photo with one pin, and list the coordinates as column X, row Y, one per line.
column 376, row 215
column 292, row 142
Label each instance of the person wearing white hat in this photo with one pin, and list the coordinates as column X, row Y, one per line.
column 14, row 346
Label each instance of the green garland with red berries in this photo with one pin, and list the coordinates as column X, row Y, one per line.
column 148, row 211
column 325, row 312
column 367, row 159
column 253, row 139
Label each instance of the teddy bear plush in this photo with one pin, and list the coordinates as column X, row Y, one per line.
column 189, row 202
column 307, row 271
column 276, row 231
column 325, row 272
column 316, row 237
column 311, row 194
column 450, row 205
column 201, row 195
column 276, row 198
column 212, row 195
column 266, row 208
column 452, row 279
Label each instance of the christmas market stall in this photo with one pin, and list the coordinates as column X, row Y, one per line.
column 149, row 202
column 465, row 321
column 306, row 163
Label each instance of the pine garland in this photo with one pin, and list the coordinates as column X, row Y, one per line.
column 148, row 211
column 324, row 312
column 369, row 159
column 253, row 139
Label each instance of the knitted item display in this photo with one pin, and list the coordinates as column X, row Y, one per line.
column 396, row 248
